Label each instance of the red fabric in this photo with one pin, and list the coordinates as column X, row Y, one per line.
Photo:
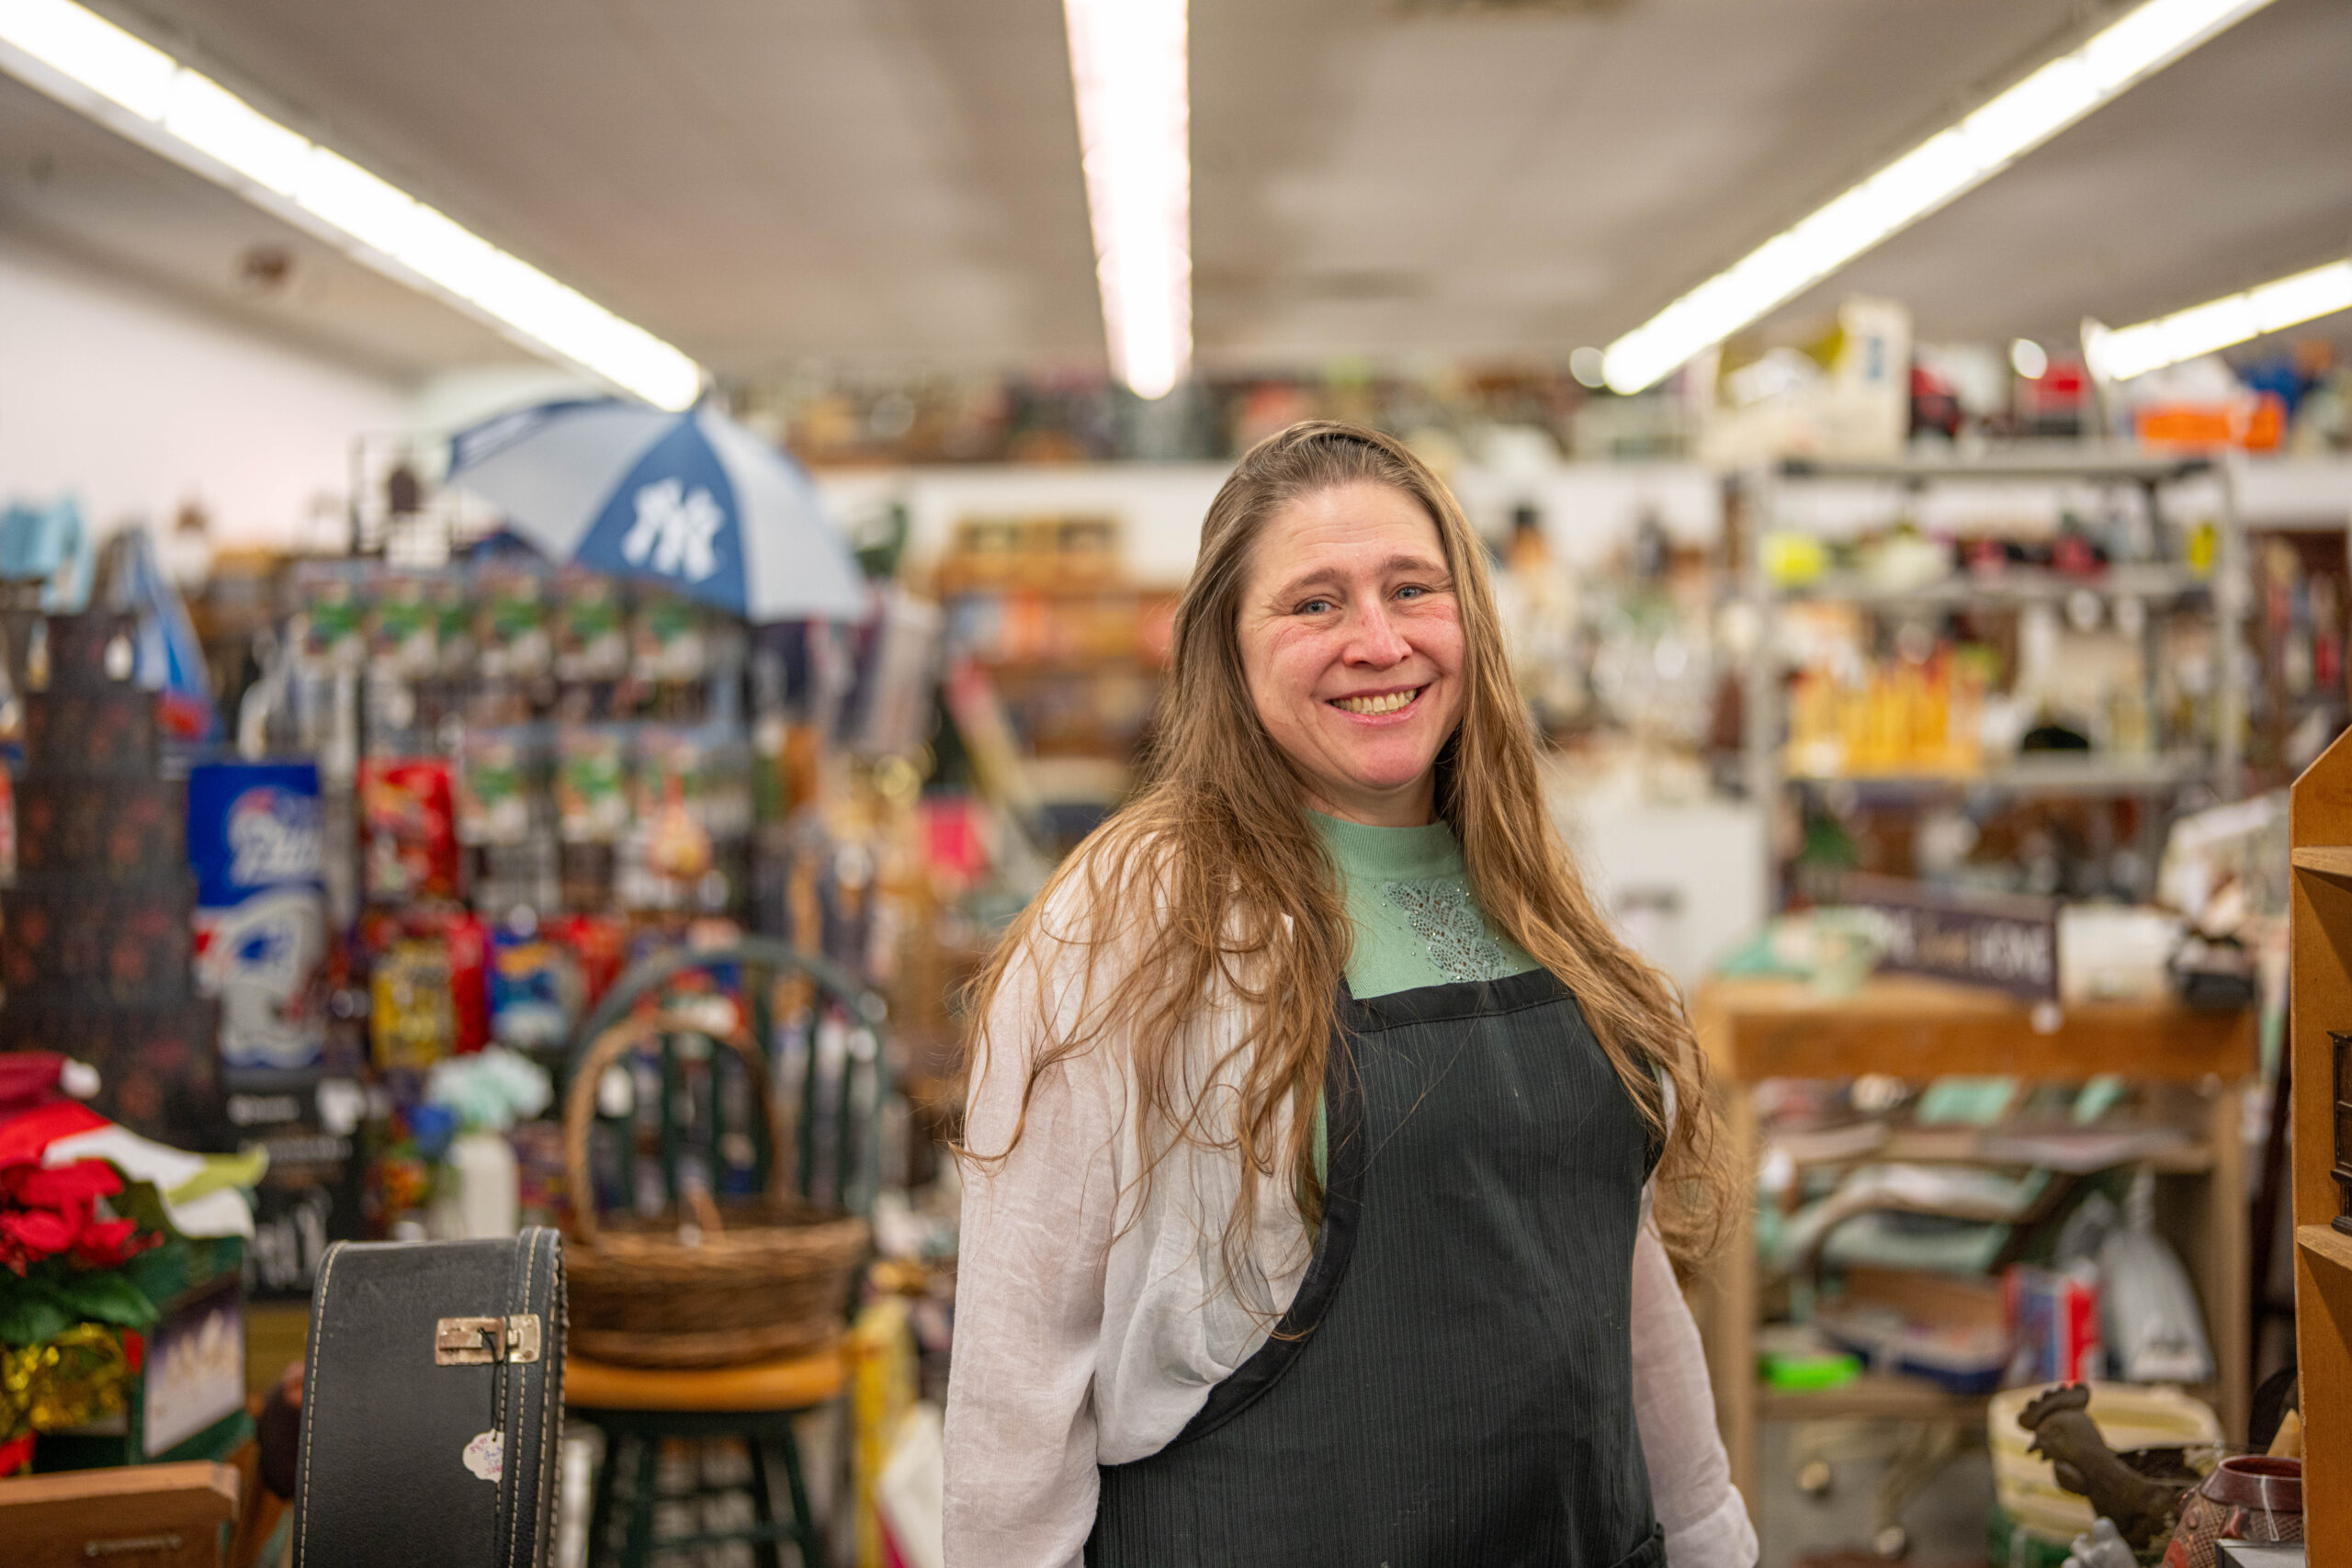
column 23, row 1138
column 28, row 1079
column 16, row 1454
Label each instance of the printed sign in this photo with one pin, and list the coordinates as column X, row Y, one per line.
column 2007, row 942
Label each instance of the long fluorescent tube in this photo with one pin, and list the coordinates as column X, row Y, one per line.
column 2127, row 352
column 91, row 65
column 1126, row 61
column 1947, row 165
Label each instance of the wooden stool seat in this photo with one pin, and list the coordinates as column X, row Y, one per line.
column 792, row 1382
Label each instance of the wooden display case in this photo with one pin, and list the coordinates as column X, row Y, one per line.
column 2320, row 1009
column 2196, row 1066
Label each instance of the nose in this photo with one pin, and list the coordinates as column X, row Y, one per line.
column 1374, row 641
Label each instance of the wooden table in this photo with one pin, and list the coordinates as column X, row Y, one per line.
column 1915, row 1030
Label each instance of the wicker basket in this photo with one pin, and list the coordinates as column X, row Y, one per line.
column 729, row 1282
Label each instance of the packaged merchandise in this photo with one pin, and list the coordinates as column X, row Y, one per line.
column 2053, row 1320
column 498, row 784
column 514, row 631
column 404, row 628
column 407, row 813
column 311, row 1195
column 415, row 1013
column 254, row 842
column 535, row 989
column 467, row 941
column 592, row 796
column 599, row 947
column 592, row 631
column 668, row 642
column 334, row 623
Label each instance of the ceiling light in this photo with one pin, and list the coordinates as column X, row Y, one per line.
column 91, row 65
column 1588, row 367
column 1127, row 63
column 1950, row 162
column 2027, row 358
column 2126, row 351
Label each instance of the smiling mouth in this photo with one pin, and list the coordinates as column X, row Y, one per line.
column 1385, row 702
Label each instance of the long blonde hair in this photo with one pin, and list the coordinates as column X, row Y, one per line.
column 1213, row 871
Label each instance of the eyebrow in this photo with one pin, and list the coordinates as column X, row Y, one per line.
column 1331, row 577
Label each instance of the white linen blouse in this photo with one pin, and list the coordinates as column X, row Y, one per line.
column 1091, row 1322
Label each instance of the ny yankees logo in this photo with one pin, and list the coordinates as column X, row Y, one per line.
column 677, row 530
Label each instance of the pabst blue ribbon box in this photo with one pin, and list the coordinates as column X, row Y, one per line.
column 261, row 936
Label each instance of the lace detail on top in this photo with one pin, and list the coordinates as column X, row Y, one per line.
column 1443, row 918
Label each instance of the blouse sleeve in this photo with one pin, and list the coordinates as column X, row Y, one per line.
column 1704, row 1516
column 1020, row 1440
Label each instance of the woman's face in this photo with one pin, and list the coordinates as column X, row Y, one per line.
column 1352, row 643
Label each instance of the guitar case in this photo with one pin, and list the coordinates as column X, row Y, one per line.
column 432, row 1405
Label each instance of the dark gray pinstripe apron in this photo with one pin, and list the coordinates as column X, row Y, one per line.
column 1452, row 1387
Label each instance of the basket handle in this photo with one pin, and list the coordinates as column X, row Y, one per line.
column 629, row 1034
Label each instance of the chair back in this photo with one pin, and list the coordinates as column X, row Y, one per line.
column 820, row 1055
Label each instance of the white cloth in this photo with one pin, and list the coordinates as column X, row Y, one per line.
column 1089, row 1333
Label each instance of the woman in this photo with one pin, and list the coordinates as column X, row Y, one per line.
column 1312, row 1109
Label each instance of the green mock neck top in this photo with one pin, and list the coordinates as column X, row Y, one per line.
column 1408, row 895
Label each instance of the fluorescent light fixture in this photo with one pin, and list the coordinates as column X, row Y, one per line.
column 91, row 65
column 1948, row 163
column 1127, row 63
column 2127, row 352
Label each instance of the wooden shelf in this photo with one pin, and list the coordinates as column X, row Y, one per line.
column 2327, row 1247
column 1920, row 1029
column 1964, row 1145
column 2197, row 1063
column 1874, row 1395
column 2325, row 860
column 2319, row 969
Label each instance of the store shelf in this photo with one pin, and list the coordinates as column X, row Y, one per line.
column 1917, row 1028
column 2331, row 860
column 2326, row 1247
column 2011, row 588
column 2048, row 773
column 2015, row 464
column 1873, row 1396
column 1968, row 1146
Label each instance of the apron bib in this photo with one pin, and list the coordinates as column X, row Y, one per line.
column 1452, row 1387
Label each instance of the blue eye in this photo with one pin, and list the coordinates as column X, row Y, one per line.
column 1315, row 606
column 1410, row 591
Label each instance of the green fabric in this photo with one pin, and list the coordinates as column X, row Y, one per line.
column 1407, row 895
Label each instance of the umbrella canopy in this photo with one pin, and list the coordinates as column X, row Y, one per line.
column 694, row 501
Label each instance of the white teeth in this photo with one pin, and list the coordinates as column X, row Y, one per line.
column 1389, row 703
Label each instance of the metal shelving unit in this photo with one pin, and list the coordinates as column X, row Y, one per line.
column 2214, row 760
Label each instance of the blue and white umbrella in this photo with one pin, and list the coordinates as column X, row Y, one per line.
column 694, row 501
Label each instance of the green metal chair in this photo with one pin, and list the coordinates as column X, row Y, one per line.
column 840, row 1081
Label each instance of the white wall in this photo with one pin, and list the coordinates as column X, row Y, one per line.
column 135, row 404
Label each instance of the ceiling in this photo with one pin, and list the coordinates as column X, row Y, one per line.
column 876, row 185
